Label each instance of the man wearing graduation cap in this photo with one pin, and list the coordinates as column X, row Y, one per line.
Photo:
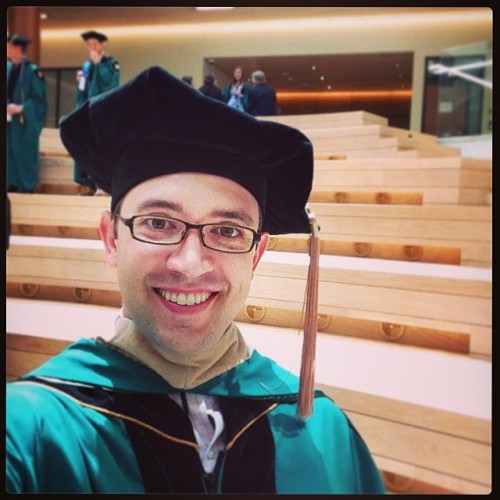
column 177, row 401
column 99, row 73
column 26, row 113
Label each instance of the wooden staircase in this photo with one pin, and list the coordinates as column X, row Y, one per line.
column 405, row 331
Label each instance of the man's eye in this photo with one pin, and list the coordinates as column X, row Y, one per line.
column 228, row 231
column 155, row 223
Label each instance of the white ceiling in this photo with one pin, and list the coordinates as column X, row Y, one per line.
column 101, row 17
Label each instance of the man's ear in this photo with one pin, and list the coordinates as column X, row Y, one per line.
column 261, row 248
column 107, row 232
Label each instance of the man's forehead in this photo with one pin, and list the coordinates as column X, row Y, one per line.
column 179, row 181
column 178, row 191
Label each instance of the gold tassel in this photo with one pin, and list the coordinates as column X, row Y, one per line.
column 306, row 391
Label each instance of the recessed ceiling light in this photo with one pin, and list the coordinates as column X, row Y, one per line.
column 214, row 8
column 43, row 16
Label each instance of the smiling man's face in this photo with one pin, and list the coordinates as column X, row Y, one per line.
column 183, row 297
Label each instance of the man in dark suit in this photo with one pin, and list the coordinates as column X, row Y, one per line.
column 210, row 89
column 262, row 101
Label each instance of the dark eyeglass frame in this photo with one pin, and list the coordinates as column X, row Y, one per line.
column 129, row 222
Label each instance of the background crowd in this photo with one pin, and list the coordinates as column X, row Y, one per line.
column 99, row 73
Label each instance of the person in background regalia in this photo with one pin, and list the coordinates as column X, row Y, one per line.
column 99, row 73
column 26, row 113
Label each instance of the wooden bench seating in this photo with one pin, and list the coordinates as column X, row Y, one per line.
column 465, row 227
column 365, row 146
column 429, row 305
column 329, row 120
column 322, row 125
column 78, row 217
column 361, row 136
column 453, row 454
column 345, row 162
column 421, row 329
column 377, row 197
column 425, row 144
column 442, row 234
column 441, row 180
column 390, row 297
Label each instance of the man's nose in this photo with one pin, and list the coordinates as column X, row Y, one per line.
column 190, row 257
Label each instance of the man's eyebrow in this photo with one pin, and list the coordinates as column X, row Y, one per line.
column 155, row 203
column 239, row 215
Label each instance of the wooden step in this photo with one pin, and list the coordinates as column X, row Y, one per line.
column 368, row 141
column 348, row 131
column 27, row 352
column 406, row 139
column 364, row 249
column 457, row 302
column 56, row 170
column 381, row 197
column 347, row 154
column 366, row 145
column 319, row 127
column 461, row 226
column 441, row 180
column 65, row 188
column 336, row 325
column 78, row 217
column 325, row 132
column 341, row 119
column 426, row 144
column 407, row 468
column 428, row 163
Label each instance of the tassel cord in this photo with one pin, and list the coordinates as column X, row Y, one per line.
column 306, row 392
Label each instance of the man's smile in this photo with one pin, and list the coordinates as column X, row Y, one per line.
column 184, row 299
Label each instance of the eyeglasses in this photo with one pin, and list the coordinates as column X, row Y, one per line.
column 228, row 238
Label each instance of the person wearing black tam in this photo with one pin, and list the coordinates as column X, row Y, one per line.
column 94, row 35
column 26, row 113
column 98, row 74
column 177, row 401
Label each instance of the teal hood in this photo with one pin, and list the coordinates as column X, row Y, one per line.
column 89, row 361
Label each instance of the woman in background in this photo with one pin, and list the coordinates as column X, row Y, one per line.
column 236, row 93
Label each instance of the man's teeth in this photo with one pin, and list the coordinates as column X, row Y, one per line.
column 183, row 299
